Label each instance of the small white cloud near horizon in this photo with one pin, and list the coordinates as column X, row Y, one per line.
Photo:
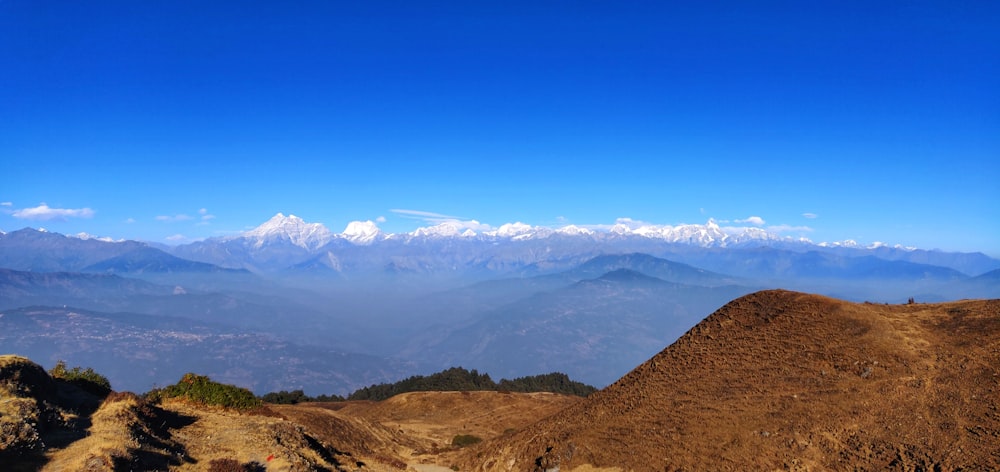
column 754, row 220
column 43, row 212
column 205, row 215
column 380, row 219
column 176, row 238
column 171, row 219
column 6, row 204
column 811, row 216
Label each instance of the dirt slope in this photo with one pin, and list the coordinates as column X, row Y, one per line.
column 780, row 380
column 418, row 428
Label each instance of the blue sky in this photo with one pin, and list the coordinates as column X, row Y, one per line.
column 872, row 121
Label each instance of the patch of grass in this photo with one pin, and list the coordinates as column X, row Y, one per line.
column 232, row 465
column 201, row 389
column 462, row 440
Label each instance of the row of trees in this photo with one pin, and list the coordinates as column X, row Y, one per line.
column 450, row 380
column 201, row 389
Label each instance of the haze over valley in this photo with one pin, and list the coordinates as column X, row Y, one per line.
column 292, row 305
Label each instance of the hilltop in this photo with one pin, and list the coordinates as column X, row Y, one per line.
column 780, row 380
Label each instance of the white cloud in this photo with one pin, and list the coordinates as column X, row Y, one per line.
column 6, row 204
column 171, row 219
column 176, row 238
column 754, row 220
column 130, row 220
column 380, row 219
column 810, row 215
column 44, row 213
column 633, row 224
column 205, row 216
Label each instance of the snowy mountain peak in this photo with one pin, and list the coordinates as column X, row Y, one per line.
column 292, row 229
column 362, row 232
column 86, row 236
column 511, row 230
column 573, row 230
column 445, row 229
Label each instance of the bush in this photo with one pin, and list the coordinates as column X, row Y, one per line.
column 86, row 379
column 462, row 440
column 201, row 389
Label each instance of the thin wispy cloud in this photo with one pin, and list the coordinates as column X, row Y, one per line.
column 130, row 220
column 45, row 213
column 205, row 215
column 174, row 218
column 811, row 216
column 423, row 215
column 176, row 238
column 380, row 219
column 754, row 220
column 789, row 229
column 6, row 204
column 434, row 218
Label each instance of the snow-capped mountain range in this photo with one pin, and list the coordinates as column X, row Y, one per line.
column 311, row 236
column 288, row 245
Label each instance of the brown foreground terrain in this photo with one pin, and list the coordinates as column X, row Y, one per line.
column 53, row 426
column 780, row 380
column 774, row 380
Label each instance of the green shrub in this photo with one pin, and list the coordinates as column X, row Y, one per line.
column 462, row 440
column 201, row 389
column 86, row 379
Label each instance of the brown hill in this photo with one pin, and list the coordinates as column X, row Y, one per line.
column 779, row 380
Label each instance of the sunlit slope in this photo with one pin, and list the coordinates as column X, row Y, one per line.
column 780, row 380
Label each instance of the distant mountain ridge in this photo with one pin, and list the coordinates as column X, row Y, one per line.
column 286, row 243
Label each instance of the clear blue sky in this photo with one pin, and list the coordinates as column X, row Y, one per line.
column 873, row 121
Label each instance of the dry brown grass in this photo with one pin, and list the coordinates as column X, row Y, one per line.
column 788, row 381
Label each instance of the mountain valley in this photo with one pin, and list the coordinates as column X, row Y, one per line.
column 516, row 301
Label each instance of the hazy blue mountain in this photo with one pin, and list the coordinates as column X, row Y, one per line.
column 594, row 330
column 150, row 260
column 21, row 288
column 968, row 263
column 659, row 268
column 42, row 251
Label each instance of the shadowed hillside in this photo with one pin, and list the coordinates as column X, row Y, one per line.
column 779, row 380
